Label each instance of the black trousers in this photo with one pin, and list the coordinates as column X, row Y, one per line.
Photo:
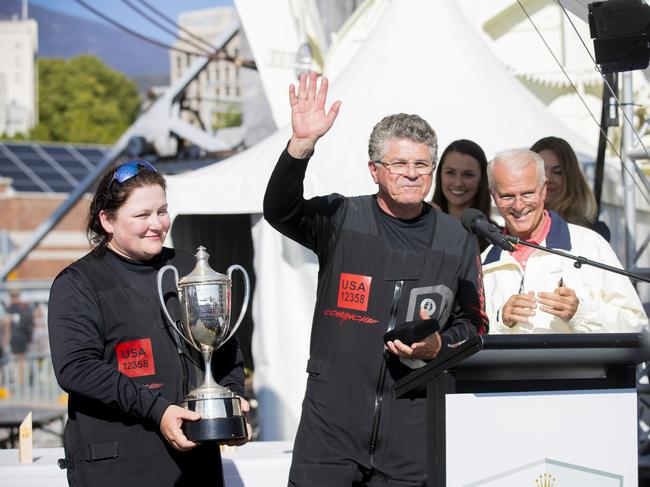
column 350, row 475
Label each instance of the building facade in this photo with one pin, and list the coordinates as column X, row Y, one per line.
column 18, row 76
column 215, row 97
column 21, row 213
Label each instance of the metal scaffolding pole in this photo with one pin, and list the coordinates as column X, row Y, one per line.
column 628, row 170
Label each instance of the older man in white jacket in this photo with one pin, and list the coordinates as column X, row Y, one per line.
column 532, row 291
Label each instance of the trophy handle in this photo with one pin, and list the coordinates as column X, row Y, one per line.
column 161, row 272
column 244, row 306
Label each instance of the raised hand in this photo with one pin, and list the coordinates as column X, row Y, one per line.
column 308, row 118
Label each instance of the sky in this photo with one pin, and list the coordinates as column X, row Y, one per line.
column 121, row 12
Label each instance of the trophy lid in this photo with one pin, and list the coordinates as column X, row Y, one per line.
column 202, row 272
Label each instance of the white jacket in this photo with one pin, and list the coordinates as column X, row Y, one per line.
column 607, row 301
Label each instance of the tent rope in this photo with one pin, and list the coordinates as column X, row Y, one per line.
column 557, row 61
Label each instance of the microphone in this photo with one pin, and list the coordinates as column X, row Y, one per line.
column 474, row 221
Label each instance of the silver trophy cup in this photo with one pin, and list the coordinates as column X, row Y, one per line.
column 204, row 297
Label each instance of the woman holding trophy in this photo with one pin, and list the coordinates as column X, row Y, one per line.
column 125, row 369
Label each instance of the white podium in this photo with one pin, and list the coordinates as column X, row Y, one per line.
column 540, row 410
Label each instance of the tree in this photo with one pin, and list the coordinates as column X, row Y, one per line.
column 83, row 100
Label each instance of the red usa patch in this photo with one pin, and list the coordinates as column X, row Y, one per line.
column 354, row 291
column 135, row 358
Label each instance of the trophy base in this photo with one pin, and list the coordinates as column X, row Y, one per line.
column 221, row 419
column 215, row 429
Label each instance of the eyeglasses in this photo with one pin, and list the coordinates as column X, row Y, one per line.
column 529, row 198
column 129, row 169
column 401, row 167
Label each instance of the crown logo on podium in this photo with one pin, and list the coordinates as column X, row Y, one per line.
column 546, row 480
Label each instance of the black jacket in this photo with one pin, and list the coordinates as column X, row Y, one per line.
column 115, row 354
column 368, row 283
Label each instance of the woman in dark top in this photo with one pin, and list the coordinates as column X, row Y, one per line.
column 114, row 352
column 461, row 181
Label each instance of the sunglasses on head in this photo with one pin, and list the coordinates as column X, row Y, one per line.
column 129, row 169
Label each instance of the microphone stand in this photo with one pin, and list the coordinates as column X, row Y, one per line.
column 579, row 261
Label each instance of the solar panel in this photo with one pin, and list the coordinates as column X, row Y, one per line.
column 25, row 185
column 97, row 153
column 48, row 167
column 21, row 150
column 58, row 168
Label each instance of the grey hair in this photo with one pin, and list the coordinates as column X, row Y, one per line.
column 401, row 126
column 515, row 161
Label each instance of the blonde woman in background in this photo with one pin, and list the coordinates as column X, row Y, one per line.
column 567, row 191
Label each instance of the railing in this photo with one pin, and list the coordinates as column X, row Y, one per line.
column 29, row 380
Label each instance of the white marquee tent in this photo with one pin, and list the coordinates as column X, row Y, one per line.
column 422, row 57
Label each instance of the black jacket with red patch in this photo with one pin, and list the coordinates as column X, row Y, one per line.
column 115, row 354
column 369, row 281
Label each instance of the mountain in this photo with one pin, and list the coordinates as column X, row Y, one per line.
column 64, row 36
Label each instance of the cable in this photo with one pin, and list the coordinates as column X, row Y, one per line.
column 173, row 23
column 582, row 99
column 163, row 27
column 566, row 75
column 132, row 32
column 218, row 56
column 609, row 88
column 618, row 103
